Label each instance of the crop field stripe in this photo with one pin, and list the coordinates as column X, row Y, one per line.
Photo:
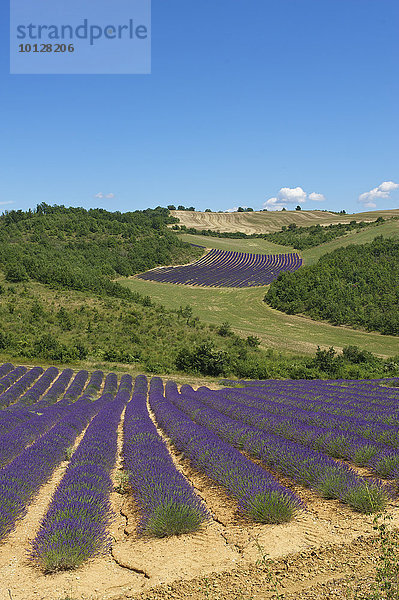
column 260, row 496
column 223, row 268
column 5, row 369
column 75, row 525
column 20, row 386
column 33, row 394
column 167, row 501
column 364, row 425
column 32, row 428
column 304, row 465
column 76, row 388
column 21, row 479
column 56, row 390
column 327, row 440
column 8, row 381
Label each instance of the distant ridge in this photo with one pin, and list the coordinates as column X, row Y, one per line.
column 267, row 222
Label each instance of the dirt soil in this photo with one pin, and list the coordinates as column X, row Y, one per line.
column 317, row 555
column 310, row 557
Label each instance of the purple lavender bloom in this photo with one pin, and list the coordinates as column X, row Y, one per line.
column 222, row 268
column 168, row 503
column 259, row 495
column 75, row 525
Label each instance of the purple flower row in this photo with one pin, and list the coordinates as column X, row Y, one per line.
column 224, row 268
column 18, row 388
column 57, row 389
column 306, row 466
column 38, row 388
column 335, row 443
column 379, row 432
column 23, row 477
column 259, row 495
column 9, row 379
column 6, row 368
column 15, row 415
column 75, row 525
column 76, row 387
column 168, row 503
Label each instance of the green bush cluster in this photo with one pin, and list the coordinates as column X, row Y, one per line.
column 356, row 285
column 83, row 249
column 291, row 235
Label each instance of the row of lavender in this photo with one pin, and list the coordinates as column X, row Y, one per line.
column 222, row 268
column 212, row 429
column 320, row 416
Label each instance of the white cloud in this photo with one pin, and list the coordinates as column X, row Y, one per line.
column 316, row 197
column 291, row 196
column 8, row 202
column 273, row 204
column 382, row 191
column 101, row 195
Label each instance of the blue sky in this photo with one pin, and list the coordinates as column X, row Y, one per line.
column 249, row 102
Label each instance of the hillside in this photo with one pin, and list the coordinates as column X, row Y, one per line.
column 389, row 228
column 82, row 249
column 354, row 285
column 266, row 222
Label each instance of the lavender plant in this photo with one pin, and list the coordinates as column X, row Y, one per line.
column 167, row 501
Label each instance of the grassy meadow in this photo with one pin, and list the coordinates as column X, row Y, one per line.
column 309, row 256
column 249, row 315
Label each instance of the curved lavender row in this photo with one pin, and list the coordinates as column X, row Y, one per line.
column 10, row 379
column 335, row 443
column 111, row 384
column 15, row 441
column 22, row 478
column 6, row 368
column 57, row 389
column 307, row 467
column 76, row 387
column 223, row 268
column 167, row 501
column 31, row 429
column 20, row 386
column 327, row 397
column 260, row 497
column 95, row 382
column 75, row 525
column 379, row 432
column 14, row 415
column 38, row 388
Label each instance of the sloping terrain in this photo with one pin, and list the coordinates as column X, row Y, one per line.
column 266, row 222
column 220, row 268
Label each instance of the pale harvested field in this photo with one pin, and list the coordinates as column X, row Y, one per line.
column 266, row 222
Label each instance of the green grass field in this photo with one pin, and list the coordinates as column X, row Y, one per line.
column 310, row 256
column 388, row 229
column 245, row 310
column 253, row 246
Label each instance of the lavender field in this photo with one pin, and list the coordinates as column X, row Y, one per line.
column 261, row 444
column 222, row 268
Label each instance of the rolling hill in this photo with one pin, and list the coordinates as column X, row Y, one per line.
column 266, row 222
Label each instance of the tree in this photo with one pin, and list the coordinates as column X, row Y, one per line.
column 181, row 207
column 208, row 210
column 171, row 207
column 298, row 208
